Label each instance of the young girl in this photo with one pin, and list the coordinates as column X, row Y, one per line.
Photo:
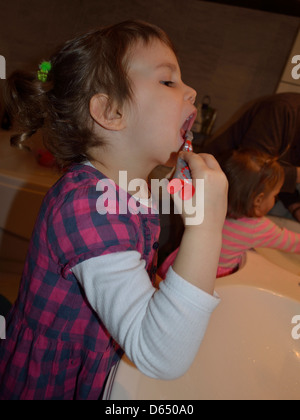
column 255, row 179
column 109, row 101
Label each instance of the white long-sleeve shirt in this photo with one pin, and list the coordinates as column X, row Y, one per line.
column 159, row 330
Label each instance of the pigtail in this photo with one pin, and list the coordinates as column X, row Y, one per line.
column 25, row 102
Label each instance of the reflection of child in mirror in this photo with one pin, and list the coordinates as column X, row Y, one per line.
column 255, row 179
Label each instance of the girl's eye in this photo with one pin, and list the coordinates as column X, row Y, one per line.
column 167, row 83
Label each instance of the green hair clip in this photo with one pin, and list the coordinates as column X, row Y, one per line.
column 44, row 69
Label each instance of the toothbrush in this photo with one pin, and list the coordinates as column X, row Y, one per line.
column 182, row 172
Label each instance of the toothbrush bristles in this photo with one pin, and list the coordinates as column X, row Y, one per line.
column 189, row 135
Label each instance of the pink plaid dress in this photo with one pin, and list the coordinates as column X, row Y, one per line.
column 56, row 347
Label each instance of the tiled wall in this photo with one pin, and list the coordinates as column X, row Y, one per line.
column 232, row 54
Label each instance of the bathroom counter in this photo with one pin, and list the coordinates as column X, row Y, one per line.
column 22, row 166
column 23, row 185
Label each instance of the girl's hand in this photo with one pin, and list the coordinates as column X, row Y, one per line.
column 199, row 252
column 208, row 205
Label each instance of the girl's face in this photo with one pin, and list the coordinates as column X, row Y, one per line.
column 162, row 108
column 263, row 203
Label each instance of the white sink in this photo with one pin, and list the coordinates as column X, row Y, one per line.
column 248, row 351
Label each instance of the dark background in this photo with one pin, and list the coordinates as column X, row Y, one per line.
column 287, row 7
column 233, row 54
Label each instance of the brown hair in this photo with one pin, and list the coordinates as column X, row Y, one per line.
column 249, row 173
column 89, row 64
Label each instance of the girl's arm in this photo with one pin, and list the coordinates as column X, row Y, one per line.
column 268, row 235
column 159, row 330
column 199, row 252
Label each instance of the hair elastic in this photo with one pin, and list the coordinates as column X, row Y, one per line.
column 43, row 71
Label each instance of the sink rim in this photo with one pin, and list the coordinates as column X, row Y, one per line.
column 268, row 276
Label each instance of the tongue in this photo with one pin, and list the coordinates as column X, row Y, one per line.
column 185, row 129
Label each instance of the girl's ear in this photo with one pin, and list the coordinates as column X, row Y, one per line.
column 257, row 203
column 105, row 114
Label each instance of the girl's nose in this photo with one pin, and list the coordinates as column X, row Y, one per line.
column 190, row 94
